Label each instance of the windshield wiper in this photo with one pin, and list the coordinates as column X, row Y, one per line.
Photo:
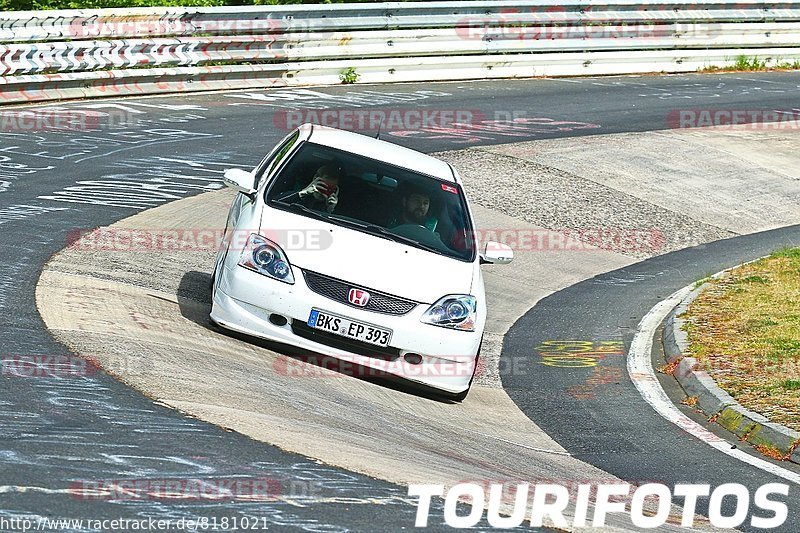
column 372, row 229
column 297, row 207
column 395, row 236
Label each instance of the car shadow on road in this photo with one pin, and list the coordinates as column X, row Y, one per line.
column 194, row 301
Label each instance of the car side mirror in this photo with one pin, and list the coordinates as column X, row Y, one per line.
column 497, row 254
column 240, row 180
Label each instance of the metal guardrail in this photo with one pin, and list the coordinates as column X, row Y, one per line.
column 66, row 54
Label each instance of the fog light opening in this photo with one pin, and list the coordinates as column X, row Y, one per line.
column 413, row 358
column 278, row 320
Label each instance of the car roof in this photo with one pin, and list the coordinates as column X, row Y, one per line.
column 391, row 153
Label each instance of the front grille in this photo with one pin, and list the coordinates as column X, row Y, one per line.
column 387, row 353
column 338, row 290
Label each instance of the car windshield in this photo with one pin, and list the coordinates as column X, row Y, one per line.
column 375, row 197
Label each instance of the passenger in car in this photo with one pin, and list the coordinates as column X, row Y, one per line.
column 322, row 193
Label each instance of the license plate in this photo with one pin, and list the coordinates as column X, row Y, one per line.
column 352, row 329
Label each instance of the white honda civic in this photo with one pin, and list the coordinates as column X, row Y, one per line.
column 356, row 248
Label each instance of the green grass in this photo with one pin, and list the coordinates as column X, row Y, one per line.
column 787, row 253
column 749, row 63
column 755, row 325
column 794, row 65
column 700, row 281
column 744, row 329
column 744, row 63
column 782, row 347
column 753, row 279
column 349, row 76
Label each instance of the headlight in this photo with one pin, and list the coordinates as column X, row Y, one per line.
column 455, row 311
column 265, row 257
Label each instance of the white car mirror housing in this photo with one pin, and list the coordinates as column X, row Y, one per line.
column 240, row 180
column 497, row 253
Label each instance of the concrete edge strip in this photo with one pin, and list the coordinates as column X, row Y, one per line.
column 640, row 370
column 718, row 405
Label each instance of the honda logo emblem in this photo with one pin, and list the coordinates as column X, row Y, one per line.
column 358, row 297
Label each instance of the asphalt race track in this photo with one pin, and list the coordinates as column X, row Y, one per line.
column 608, row 424
column 124, row 156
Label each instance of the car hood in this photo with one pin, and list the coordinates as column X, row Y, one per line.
column 366, row 260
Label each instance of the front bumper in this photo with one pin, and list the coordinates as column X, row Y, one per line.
column 244, row 300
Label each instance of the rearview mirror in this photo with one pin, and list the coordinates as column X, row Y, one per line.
column 240, row 180
column 497, row 253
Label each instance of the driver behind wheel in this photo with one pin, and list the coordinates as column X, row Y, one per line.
column 416, row 205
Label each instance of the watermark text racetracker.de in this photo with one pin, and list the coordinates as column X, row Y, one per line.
column 185, row 489
column 553, row 22
column 46, row 366
column 645, row 240
column 54, row 119
column 378, row 118
column 49, row 119
column 639, row 240
column 86, row 27
column 647, row 506
column 190, row 239
column 66, row 367
column 748, row 119
column 410, row 366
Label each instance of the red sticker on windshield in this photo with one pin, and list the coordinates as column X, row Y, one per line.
column 448, row 188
